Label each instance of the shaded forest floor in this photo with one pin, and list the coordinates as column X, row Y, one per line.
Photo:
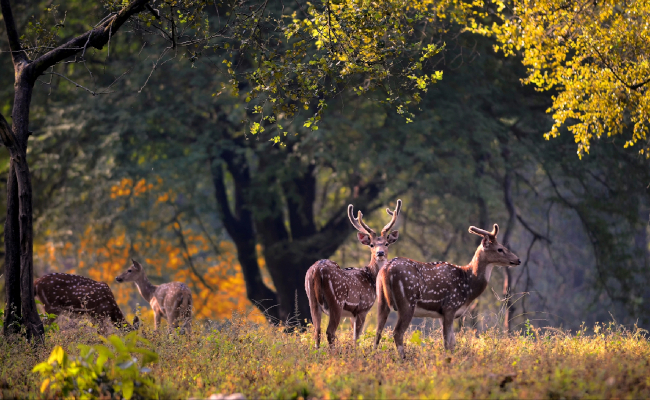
column 261, row 361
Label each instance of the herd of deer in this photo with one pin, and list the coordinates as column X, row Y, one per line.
column 77, row 294
column 412, row 288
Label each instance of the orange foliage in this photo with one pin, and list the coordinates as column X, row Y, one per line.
column 164, row 259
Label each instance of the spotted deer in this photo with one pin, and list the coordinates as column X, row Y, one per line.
column 172, row 301
column 82, row 296
column 437, row 289
column 349, row 292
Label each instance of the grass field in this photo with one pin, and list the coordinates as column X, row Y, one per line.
column 262, row 362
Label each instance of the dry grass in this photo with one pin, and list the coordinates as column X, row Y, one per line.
column 262, row 362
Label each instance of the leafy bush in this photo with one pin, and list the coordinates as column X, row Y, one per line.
column 100, row 371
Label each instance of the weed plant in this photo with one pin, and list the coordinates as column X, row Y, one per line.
column 262, row 361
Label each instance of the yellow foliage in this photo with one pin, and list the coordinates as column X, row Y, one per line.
column 595, row 54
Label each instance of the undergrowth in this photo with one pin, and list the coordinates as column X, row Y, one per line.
column 262, row 361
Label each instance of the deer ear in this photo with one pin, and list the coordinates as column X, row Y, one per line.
column 136, row 264
column 392, row 237
column 364, row 239
column 495, row 231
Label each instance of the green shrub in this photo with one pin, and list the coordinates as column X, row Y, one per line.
column 100, row 371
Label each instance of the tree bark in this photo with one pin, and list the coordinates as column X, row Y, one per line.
column 13, row 310
column 240, row 228
column 512, row 215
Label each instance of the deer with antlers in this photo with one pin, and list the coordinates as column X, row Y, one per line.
column 437, row 289
column 349, row 292
column 79, row 295
column 172, row 301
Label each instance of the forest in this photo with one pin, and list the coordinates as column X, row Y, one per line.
column 220, row 143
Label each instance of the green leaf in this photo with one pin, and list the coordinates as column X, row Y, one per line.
column 127, row 389
column 416, row 338
column 118, row 344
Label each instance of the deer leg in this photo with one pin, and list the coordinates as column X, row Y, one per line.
column 448, row 330
column 186, row 316
column 359, row 321
column 172, row 317
column 405, row 315
column 316, row 315
column 335, row 319
column 382, row 315
column 156, row 319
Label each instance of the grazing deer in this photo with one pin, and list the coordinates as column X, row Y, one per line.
column 438, row 289
column 80, row 295
column 172, row 301
column 349, row 292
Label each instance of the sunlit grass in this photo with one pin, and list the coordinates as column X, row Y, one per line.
column 263, row 362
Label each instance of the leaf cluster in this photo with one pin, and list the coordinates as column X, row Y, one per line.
column 100, row 370
column 595, row 54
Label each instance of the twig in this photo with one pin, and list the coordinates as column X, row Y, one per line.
column 76, row 84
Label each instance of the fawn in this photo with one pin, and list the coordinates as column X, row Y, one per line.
column 172, row 301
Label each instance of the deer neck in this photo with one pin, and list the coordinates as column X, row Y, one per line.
column 480, row 271
column 375, row 265
column 146, row 288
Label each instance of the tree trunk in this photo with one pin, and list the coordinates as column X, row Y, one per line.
column 507, row 281
column 22, row 99
column 288, row 262
column 13, row 310
column 239, row 226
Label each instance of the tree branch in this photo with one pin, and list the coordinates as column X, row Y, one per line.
column 6, row 133
column 96, row 37
column 17, row 53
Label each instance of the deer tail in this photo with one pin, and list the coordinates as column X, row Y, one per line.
column 383, row 287
column 313, row 286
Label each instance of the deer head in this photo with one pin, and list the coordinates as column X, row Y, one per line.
column 368, row 237
column 494, row 252
column 131, row 274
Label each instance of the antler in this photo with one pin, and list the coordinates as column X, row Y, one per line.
column 481, row 232
column 358, row 222
column 394, row 214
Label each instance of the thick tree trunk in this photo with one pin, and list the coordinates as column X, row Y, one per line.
column 288, row 262
column 239, row 226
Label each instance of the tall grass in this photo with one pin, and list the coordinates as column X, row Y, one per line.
column 263, row 362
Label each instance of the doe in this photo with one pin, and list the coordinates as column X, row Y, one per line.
column 349, row 292
column 172, row 301
column 437, row 289
column 77, row 294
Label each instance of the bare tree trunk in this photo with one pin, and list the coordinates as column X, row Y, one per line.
column 239, row 225
column 512, row 215
column 13, row 310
